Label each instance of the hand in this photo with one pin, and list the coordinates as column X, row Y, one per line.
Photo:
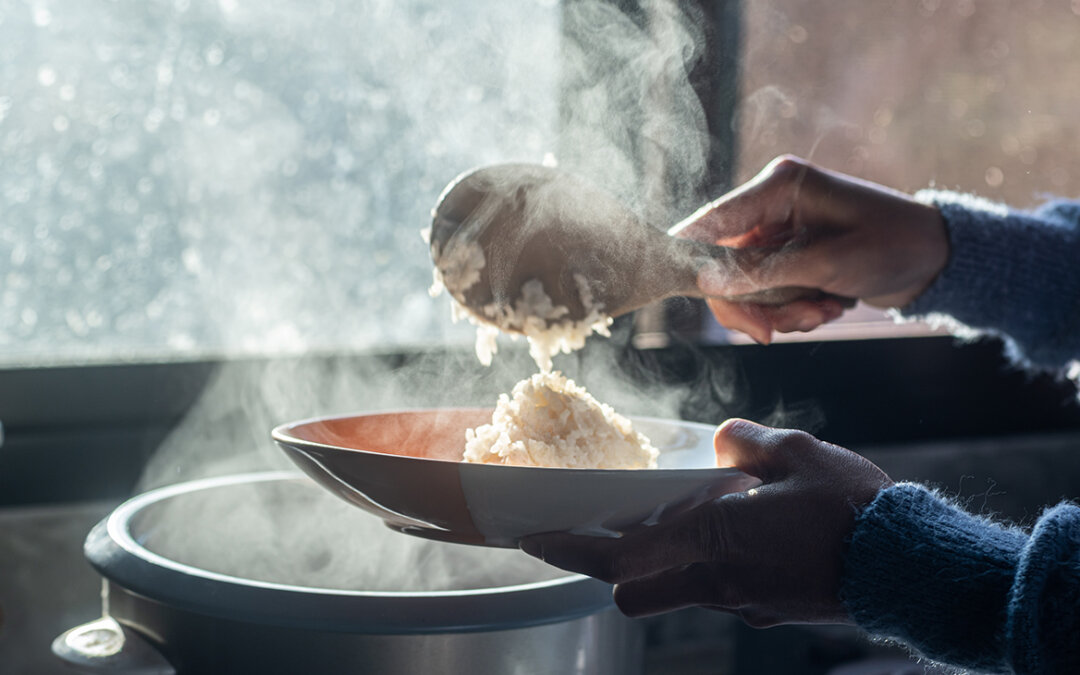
column 796, row 224
column 771, row 555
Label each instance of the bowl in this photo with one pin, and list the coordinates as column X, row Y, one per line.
column 405, row 467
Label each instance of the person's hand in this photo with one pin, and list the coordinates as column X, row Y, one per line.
column 796, row 224
column 771, row 555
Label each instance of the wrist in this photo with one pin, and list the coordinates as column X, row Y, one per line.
column 929, row 227
column 921, row 244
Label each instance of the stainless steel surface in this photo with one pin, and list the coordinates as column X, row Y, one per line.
column 105, row 646
column 600, row 644
column 207, row 621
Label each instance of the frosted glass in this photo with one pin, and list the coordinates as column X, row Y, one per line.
column 185, row 177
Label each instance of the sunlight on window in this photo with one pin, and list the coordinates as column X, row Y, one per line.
column 185, row 177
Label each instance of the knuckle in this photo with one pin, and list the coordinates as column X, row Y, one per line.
column 794, row 439
column 786, row 166
column 785, row 162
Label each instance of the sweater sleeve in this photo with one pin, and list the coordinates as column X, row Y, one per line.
column 960, row 589
column 1012, row 273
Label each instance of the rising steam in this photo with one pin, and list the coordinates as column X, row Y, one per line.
column 629, row 121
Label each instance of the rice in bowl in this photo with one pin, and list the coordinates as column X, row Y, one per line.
column 548, row 420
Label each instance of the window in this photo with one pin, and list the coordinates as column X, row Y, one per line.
column 191, row 177
column 186, row 177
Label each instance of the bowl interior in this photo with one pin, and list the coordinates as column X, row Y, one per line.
column 429, row 434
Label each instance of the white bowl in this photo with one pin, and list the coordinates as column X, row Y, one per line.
column 406, row 468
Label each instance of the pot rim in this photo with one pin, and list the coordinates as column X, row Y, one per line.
column 112, row 549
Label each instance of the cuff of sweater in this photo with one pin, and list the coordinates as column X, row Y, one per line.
column 1008, row 272
column 973, row 249
column 1043, row 620
column 924, row 572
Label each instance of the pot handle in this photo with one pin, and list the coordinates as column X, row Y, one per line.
column 104, row 645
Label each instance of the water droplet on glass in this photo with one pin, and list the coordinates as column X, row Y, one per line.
column 46, row 76
column 192, row 260
column 215, row 54
column 75, row 322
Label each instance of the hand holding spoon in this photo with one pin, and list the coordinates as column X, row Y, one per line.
column 498, row 228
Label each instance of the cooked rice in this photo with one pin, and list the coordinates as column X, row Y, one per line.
column 550, row 421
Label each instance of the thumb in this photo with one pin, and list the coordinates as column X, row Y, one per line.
column 752, row 448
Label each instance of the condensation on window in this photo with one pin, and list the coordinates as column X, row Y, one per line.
column 237, row 176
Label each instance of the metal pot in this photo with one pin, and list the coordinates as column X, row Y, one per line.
column 195, row 611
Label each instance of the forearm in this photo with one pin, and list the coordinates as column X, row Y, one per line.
column 1010, row 272
column 965, row 591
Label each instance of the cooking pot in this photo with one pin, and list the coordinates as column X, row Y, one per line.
column 268, row 573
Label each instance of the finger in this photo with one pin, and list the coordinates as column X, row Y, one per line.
column 686, row 586
column 744, row 317
column 739, row 271
column 754, row 449
column 688, row 537
column 802, row 315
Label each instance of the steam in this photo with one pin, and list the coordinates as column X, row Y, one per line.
column 227, row 430
column 629, row 122
column 309, row 537
column 293, row 532
column 770, row 114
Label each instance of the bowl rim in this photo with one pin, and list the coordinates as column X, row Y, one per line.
column 282, row 434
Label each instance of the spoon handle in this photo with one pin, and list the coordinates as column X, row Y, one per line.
column 696, row 254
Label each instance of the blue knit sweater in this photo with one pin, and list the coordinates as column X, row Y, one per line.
column 955, row 587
